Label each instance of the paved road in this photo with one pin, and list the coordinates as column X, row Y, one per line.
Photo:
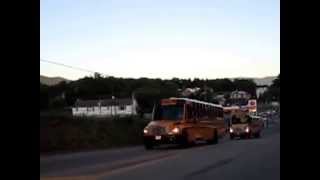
column 237, row 159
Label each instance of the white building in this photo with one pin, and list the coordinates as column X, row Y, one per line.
column 240, row 95
column 105, row 107
column 260, row 90
column 189, row 91
column 220, row 99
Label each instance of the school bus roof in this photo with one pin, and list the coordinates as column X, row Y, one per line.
column 231, row 108
column 196, row 101
column 257, row 117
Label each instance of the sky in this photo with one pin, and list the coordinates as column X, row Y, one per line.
column 161, row 39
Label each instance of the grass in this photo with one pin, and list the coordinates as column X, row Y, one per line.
column 66, row 133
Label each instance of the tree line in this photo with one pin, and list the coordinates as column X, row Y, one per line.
column 146, row 90
column 273, row 92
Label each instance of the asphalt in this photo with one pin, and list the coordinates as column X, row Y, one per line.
column 230, row 159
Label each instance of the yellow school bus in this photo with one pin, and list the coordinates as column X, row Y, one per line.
column 246, row 127
column 184, row 121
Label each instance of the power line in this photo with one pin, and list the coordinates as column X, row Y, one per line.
column 71, row 67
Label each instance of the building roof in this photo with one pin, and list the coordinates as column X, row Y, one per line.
column 103, row 102
column 86, row 103
column 231, row 108
column 239, row 95
column 239, row 92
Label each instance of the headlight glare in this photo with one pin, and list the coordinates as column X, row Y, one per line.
column 247, row 129
column 175, row 130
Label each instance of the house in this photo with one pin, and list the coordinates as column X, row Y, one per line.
column 275, row 104
column 239, row 98
column 190, row 91
column 261, row 89
column 240, row 95
column 105, row 107
column 220, row 98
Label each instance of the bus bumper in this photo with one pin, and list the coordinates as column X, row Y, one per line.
column 163, row 139
column 240, row 134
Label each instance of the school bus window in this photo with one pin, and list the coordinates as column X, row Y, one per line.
column 201, row 111
column 189, row 112
column 169, row 112
column 220, row 113
column 217, row 112
column 196, row 111
column 206, row 112
column 211, row 113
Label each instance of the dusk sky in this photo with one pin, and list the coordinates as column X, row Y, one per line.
column 161, row 39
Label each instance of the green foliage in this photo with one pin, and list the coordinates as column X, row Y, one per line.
column 57, row 102
column 146, row 96
column 147, row 90
column 245, row 85
column 220, row 85
column 44, row 96
column 273, row 92
column 65, row 133
column 276, row 82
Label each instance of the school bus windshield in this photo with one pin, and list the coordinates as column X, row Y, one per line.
column 244, row 120
column 168, row 112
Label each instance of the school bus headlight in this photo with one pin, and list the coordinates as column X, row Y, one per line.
column 231, row 130
column 175, row 130
column 145, row 131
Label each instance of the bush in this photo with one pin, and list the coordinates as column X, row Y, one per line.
column 66, row 133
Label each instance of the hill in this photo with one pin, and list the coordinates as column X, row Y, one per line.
column 265, row 80
column 259, row 81
column 50, row 81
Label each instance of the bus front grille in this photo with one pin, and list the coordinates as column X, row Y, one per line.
column 157, row 130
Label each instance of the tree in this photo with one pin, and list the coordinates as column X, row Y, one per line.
column 177, row 81
column 221, row 85
column 44, row 96
column 146, row 97
column 97, row 75
column 276, row 82
column 246, row 85
column 148, row 91
column 273, row 92
column 197, row 82
column 57, row 102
